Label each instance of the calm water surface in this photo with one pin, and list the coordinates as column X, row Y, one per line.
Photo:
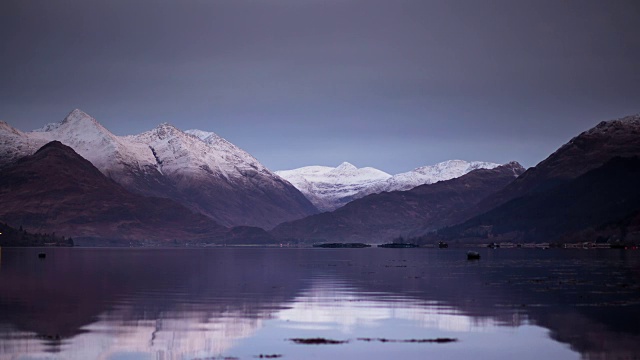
column 241, row 303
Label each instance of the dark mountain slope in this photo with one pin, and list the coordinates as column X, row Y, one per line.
column 56, row 190
column 606, row 195
column 587, row 151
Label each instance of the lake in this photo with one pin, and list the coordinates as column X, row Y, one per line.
column 248, row 303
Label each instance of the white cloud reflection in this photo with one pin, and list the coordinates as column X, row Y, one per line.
column 328, row 306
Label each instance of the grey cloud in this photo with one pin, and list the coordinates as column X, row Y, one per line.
column 303, row 82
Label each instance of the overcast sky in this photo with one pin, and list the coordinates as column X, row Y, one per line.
column 390, row 84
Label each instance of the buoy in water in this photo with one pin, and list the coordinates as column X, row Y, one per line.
column 473, row 255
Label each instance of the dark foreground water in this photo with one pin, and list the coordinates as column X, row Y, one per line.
column 244, row 303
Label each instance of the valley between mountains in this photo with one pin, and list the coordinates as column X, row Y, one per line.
column 169, row 187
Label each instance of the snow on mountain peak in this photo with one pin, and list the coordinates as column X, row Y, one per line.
column 197, row 151
column 329, row 188
column 75, row 117
column 212, row 138
column 228, row 150
column 430, row 174
column 78, row 115
column 165, row 130
column 622, row 124
column 200, row 134
column 345, row 166
column 516, row 167
column 344, row 173
column 109, row 153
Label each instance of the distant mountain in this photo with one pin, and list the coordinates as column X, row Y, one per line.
column 380, row 217
column 595, row 204
column 56, row 190
column 330, row 188
column 446, row 170
column 208, row 174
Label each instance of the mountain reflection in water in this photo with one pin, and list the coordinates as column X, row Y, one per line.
column 244, row 302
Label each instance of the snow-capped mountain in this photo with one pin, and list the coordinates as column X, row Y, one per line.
column 430, row 174
column 208, row 175
column 130, row 163
column 330, row 188
column 221, row 180
column 230, row 154
column 95, row 143
column 385, row 216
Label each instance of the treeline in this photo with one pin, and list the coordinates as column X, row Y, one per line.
column 407, row 240
column 12, row 237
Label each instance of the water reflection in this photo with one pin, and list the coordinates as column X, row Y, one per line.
column 333, row 304
column 189, row 304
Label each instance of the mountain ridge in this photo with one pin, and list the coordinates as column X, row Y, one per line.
column 382, row 217
column 576, row 210
column 586, row 151
column 330, row 188
column 538, row 192
column 56, row 190
column 215, row 178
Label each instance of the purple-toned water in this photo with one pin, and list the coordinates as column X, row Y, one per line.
column 380, row 303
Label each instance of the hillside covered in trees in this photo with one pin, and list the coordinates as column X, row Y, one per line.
column 11, row 237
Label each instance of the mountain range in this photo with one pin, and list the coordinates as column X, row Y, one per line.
column 168, row 186
column 330, row 188
column 206, row 174
column 381, row 217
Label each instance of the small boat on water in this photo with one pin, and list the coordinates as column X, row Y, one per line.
column 473, row 255
column 443, row 245
column 42, row 255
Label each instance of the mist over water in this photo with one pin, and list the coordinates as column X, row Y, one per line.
column 246, row 302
